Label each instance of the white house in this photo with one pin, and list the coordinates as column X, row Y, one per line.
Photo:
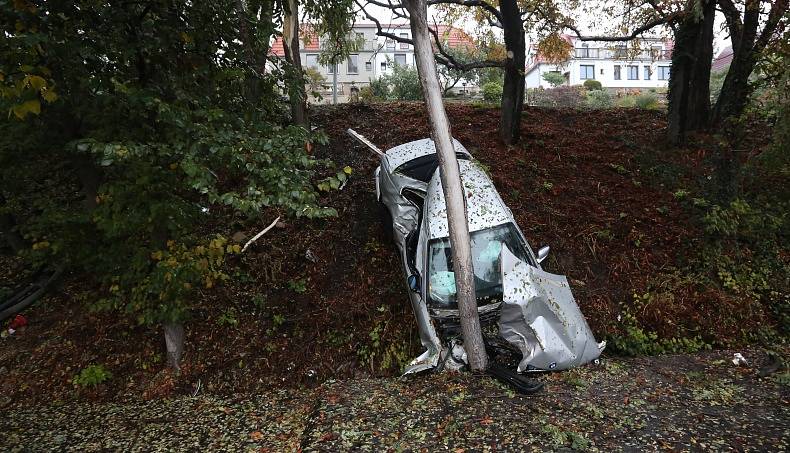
column 374, row 57
column 617, row 66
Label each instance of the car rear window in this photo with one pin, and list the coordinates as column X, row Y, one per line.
column 422, row 168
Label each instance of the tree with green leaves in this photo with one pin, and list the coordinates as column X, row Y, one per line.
column 128, row 127
column 555, row 79
column 514, row 18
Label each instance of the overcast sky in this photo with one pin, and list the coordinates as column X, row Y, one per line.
column 384, row 15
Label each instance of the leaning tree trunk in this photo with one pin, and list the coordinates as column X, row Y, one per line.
column 735, row 89
column 513, row 88
column 689, row 81
column 296, row 92
column 174, row 342
column 451, row 186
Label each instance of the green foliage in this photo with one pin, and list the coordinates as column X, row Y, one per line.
column 555, row 79
column 627, row 102
column 91, row 376
column 716, row 83
column 449, row 77
column 592, row 85
column 143, row 129
column 634, row 340
column 379, row 89
column 646, row 101
column 335, row 182
column 315, row 80
column 492, row 92
column 403, row 83
column 599, row 99
column 228, row 318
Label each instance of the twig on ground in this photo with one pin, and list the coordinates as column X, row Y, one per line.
column 257, row 236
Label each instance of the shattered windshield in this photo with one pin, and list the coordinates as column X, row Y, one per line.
column 486, row 249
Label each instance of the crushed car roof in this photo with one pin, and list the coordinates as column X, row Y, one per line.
column 401, row 154
column 484, row 206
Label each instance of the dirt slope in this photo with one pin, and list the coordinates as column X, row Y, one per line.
column 314, row 300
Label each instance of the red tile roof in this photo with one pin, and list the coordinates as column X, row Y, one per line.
column 309, row 41
column 722, row 62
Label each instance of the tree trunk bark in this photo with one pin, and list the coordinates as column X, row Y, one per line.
column 291, row 46
column 735, row 89
column 513, row 88
column 256, row 57
column 689, row 84
column 174, row 342
column 451, row 186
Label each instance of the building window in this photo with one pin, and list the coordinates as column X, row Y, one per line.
column 663, row 73
column 620, row 51
column 633, row 72
column 586, row 71
column 368, row 66
column 383, row 65
column 656, row 53
column 404, row 45
column 648, row 73
column 617, row 72
column 331, row 68
column 390, row 44
column 311, row 60
column 352, row 64
column 400, row 59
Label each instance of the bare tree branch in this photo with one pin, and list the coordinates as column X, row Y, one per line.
column 638, row 31
column 444, row 57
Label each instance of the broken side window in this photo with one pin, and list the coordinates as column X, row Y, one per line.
column 423, row 167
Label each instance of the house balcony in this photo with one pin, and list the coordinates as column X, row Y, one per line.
column 604, row 53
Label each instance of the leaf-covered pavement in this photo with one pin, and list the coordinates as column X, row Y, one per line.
column 698, row 402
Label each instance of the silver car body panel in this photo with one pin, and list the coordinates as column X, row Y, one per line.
column 484, row 206
column 541, row 318
column 406, row 152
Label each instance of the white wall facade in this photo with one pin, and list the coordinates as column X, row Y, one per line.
column 600, row 62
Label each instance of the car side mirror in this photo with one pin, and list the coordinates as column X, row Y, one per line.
column 543, row 253
column 414, row 283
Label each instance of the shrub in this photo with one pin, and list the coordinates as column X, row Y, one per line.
column 647, row 101
column 377, row 91
column 592, row 85
column 560, row 97
column 91, row 376
column 599, row 99
column 403, row 84
column 492, row 92
column 555, row 79
column 628, row 102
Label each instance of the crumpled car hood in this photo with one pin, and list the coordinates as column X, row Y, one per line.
column 540, row 317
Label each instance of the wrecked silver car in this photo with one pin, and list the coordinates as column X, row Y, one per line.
column 528, row 310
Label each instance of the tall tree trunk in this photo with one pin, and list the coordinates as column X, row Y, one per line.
column 735, row 89
column 513, row 88
column 296, row 93
column 174, row 343
column 451, row 186
column 689, row 84
column 249, row 28
column 747, row 46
